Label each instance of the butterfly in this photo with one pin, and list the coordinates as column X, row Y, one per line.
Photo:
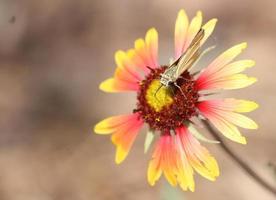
column 183, row 63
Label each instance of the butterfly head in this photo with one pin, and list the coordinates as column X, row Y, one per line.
column 165, row 80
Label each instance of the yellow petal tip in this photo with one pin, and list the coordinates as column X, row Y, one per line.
column 242, row 140
column 105, row 85
column 102, row 87
column 199, row 13
column 152, row 30
column 120, row 155
column 253, row 79
column 254, row 126
column 246, row 106
column 252, row 63
column 96, row 129
column 255, row 105
column 182, row 12
column 101, row 128
column 151, row 182
column 215, row 20
column 118, row 161
column 243, row 45
column 210, row 23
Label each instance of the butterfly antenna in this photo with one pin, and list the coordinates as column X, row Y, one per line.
column 205, row 51
column 185, row 79
column 195, row 73
column 157, row 92
column 151, row 69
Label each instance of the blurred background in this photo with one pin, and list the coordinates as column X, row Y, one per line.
column 54, row 54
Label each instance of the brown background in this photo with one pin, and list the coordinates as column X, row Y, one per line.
column 53, row 55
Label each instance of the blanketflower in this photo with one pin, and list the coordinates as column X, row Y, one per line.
column 170, row 111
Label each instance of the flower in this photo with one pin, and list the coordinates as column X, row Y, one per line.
column 169, row 111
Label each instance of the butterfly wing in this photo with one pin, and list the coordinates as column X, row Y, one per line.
column 190, row 56
column 171, row 71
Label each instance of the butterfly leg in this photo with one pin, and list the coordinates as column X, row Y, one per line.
column 171, row 89
column 175, row 84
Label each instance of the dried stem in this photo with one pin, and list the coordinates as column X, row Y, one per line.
column 239, row 161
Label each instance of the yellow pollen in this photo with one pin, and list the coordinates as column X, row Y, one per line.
column 158, row 99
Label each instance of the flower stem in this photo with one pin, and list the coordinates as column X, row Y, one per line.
column 239, row 160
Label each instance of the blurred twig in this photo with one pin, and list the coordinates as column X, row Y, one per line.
column 239, row 161
column 272, row 166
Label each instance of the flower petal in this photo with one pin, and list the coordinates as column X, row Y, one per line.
column 238, row 119
column 137, row 60
column 235, row 105
column 149, row 139
column 227, row 129
column 199, row 136
column 146, row 51
column 243, row 106
column 127, row 77
column 124, row 137
column 176, row 156
column 221, row 114
column 116, row 85
column 236, row 81
column 181, row 30
column 124, row 128
column 163, row 160
column 234, row 68
column 112, row 124
column 222, row 75
column 125, row 64
column 198, row 156
column 208, row 29
column 185, row 32
column 154, row 168
column 225, row 58
column 152, row 45
column 185, row 170
column 193, row 29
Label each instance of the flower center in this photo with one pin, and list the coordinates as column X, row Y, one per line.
column 166, row 108
column 158, row 96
